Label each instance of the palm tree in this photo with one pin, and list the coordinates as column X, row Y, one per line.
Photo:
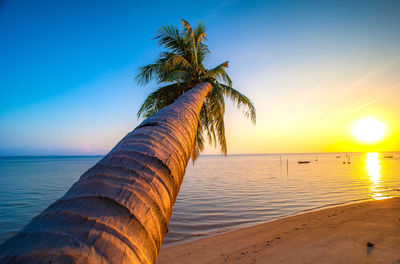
column 119, row 210
column 178, row 69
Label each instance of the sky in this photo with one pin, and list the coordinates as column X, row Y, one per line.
column 312, row 68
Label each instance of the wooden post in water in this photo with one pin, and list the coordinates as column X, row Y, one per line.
column 287, row 167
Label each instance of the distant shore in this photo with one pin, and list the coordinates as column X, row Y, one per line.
column 366, row 232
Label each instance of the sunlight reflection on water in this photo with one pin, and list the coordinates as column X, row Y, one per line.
column 373, row 167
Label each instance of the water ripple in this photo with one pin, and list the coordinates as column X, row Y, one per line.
column 218, row 194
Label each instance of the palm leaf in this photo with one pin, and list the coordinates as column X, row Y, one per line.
column 160, row 98
column 240, row 100
column 147, row 73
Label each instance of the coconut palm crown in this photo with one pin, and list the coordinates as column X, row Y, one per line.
column 180, row 68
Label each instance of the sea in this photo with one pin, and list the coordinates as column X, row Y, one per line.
column 218, row 194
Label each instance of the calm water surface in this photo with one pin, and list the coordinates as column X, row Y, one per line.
column 218, row 194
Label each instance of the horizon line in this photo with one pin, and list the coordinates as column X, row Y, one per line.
column 234, row 154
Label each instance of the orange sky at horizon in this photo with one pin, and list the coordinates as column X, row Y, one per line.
column 320, row 117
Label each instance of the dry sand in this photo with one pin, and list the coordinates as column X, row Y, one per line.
column 334, row 235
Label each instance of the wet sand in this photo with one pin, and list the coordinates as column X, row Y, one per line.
column 367, row 232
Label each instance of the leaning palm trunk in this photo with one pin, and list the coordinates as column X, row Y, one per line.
column 119, row 210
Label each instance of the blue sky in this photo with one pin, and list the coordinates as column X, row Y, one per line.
column 67, row 68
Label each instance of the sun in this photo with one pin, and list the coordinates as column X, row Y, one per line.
column 369, row 130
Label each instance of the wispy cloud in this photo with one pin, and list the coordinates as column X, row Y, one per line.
column 360, row 82
column 358, row 92
column 214, row 14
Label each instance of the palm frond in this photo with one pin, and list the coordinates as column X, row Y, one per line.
column 206, row 121
column 241, row 100
column 172, row 39
column 217, row 109
column 198, row 143
column 200, row 34
column 169, row 60
column 147, row 73
column 186, row 25
column 214, row 72
column 190, row 39
column 176, row 76
column 219, row 73
column 160, row 98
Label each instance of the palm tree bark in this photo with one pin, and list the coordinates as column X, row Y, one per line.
column 119, row 210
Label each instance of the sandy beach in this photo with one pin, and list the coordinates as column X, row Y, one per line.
column 366, row 232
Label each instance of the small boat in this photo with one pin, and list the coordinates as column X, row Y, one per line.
column 303, row 161
column 338, row 157
column 388, row 157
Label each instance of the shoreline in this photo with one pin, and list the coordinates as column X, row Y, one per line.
column 320, row 235
column 255, row 223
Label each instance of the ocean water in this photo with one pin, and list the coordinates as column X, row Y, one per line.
column 218, row 194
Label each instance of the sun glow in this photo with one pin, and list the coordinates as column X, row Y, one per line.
column 369, row 130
